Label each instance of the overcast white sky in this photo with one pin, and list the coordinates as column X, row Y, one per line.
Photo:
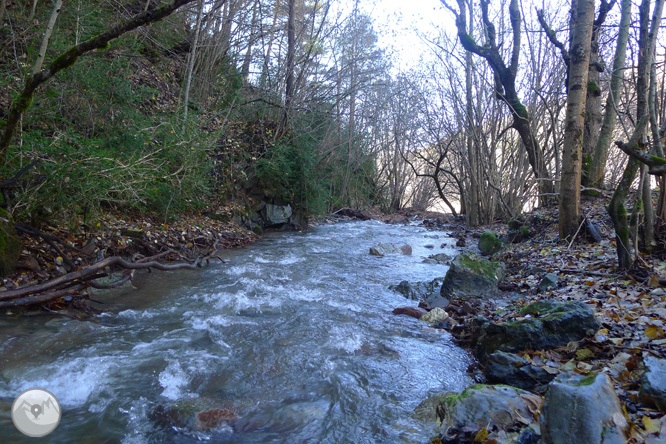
column 397, row 22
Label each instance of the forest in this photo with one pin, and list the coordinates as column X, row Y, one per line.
column 163, row 134
column 161, row 108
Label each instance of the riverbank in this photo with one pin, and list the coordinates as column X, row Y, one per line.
column 540, row 271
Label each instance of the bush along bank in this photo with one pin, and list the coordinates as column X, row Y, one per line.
column 567, row 351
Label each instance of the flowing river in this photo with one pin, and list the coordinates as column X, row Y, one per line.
column 294, row 335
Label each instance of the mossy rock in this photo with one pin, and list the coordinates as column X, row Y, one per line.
column 471, row 276
column 489, row 243
column 10, row 244
column 553, row 324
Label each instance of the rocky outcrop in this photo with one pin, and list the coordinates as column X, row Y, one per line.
column 276, row 214
column 516, row 371
column 490, row 243
column 549, row 325
column 470, row 276
column 582, row 409
column 653, row 383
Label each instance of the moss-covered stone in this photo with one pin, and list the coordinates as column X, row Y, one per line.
column 489, row 243
column 10, row 244
column 471, row 276
column 551, row 325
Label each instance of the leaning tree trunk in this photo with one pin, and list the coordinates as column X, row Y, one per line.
column 581, row 35
column 595, row 175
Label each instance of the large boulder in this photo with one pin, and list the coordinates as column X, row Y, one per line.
column 550, row 325
column 514, row 370
column 482, row 406
column 653, row 383
column 490, row 243
column 470, row 276
column 582, row 409
column 10, row 244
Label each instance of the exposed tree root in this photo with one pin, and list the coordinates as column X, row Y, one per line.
column 76, row 282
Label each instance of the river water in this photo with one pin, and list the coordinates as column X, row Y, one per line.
column 294, row 335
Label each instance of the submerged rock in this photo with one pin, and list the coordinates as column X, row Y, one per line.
column 194, row 414
column 553, row 324
column 582, row 409
column 471, row 275
column 653, row 383
column 489, row 243
column 438, row 259
column 514, row 370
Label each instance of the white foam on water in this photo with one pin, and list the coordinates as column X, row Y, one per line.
column 344, row 340
column 174, row 380
column 138, row 314
column 72, row 381
column 290, row 260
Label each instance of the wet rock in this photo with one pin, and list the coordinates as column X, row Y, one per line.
column 418, row 291
column 409, row 311
column 653, row 383
column 435, row 316
column 471, row 275
column 582, row 409
column 551, row 325
column 429, row 246
column 518, row 230
column 548, row 281
column 460, row 242
column 438, row 259
column 194, row 414
column 488, row 406
column 384, row 249
column 489, row 243
column 406, row 250
column 514, row 370
column 276, row 214
column 396, row 219
column 434, row 301
column 427, row 410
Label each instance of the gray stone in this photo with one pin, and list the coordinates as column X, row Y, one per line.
column 548, row 281
column 435, row 316
column 653, row 383
column 427, row 410
column 582, row 410
column 510, row 369
column 489, row 243
column 419, row 291
column 470, row 275
column 438, row 259
column 276, row 214
column 406, row 250
column 487, row 406
column 384, row 249
column 551, row 325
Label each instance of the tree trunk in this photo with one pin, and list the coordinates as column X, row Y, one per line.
column 191, row 59
column 595, row 176
column 291, row 50
column 473, row 195
column 47, row 36
column 581, row 35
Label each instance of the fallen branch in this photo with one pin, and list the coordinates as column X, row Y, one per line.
column 591, row 273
